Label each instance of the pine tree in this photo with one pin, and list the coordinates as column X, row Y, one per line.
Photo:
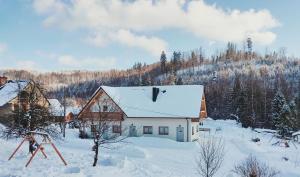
column 163, row 61
column 294, row 115
column 242, row 110
column 285, row 120
column 277, row 104
column 179, row 81
column 236, row 91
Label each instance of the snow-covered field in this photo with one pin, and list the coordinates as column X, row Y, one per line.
column 147, row 157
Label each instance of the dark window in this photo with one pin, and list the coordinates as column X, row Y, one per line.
column 116, row 129
column 93, row 128
column 105, row 108
column 147, row 129
column 193, row 132
column 164, row 130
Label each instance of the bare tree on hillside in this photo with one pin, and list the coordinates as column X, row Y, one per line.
column 211, row 155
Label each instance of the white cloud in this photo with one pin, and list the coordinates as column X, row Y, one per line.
column 3, row 47
column 126, row 19
column 70, row 62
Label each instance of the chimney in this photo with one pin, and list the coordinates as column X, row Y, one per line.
column 3, row 80
column 155, row 92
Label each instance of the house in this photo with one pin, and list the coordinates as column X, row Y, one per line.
column 57, row 110
column 14, row 94
column 172, row 112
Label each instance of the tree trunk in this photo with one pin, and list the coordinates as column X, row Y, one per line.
column 96, row 155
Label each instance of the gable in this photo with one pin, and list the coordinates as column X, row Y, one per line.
column 97, row 102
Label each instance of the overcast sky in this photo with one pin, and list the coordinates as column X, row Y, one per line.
column 53, row 35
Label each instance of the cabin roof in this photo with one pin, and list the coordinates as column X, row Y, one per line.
column 56, row 108
column 176, row 101
column 10, row 90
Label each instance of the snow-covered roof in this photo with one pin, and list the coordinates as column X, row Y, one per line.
column 296, row 133
column 174, row 101
column 56, row 108
column 10, row 90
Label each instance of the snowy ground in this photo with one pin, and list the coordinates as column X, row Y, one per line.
column 148, row 157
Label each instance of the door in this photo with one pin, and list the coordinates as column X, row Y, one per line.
column 132, row 131
column 180, row 133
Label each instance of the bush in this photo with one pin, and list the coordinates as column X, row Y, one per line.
column 251, row 167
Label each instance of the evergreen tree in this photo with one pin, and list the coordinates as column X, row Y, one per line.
column 285, row 120
column 163, row 61
column 179, row 81
column 277, row 104
column 242, row 110
column 236, row 91
column 294, row 115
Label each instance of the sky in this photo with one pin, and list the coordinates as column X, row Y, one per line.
column 60, row 35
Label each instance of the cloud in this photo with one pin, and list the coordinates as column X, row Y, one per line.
column 127, row 22
column 3, row 48
column 70, row 62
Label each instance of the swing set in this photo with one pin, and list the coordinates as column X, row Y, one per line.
column 34, row 146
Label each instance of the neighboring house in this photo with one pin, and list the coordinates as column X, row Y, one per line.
column 57, row 110
column 13, row 95
column 172, row 112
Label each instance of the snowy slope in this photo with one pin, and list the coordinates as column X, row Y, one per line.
column 148, row 157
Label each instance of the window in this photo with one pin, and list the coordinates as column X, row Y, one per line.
column 105, row 108
column 193, row 131
column 116, row 129
column 163, row 130
column 197, row 128
column 147, row 130
column 93, row 128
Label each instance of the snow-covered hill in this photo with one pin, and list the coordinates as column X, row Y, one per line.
column 142, row 156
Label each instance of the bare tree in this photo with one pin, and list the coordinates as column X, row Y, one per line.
column 211, row 156
column 251, row 167
column 105, row 123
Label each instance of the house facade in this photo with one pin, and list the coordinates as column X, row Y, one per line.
column 14, row 94
column 172, row 112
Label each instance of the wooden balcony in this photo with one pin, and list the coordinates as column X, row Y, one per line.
column 105, row 116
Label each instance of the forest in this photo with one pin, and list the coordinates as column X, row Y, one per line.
column 259, row 90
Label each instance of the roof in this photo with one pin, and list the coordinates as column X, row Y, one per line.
column 56, row 108
column 10, row 90
column 178, row 101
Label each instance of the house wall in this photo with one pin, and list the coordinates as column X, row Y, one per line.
column 172, row 123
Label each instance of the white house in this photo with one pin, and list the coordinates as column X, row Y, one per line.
column 162, row 111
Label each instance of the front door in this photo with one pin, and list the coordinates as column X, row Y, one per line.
column 180, row 133
column 132, row 131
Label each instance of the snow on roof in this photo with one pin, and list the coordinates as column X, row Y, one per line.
column 174, row 101
column 56, row 108
column 10, row 90
column 296, row 133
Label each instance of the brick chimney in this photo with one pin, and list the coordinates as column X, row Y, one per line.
column 3, row 80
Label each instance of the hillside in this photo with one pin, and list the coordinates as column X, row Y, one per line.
column 234, row 80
